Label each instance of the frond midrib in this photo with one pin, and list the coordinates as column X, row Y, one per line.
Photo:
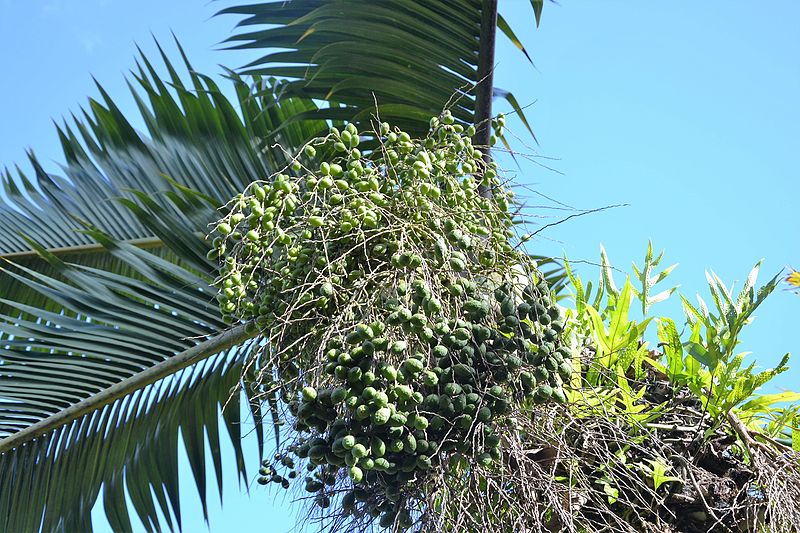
column 224, row 341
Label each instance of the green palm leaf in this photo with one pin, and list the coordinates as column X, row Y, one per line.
column 411, row 58
column 129, row 446
column 109, row 299
column 86, row 383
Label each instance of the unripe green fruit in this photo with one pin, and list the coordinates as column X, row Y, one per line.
column 410, row 443
column 527, row 380
column 362, row 412
column 368, row 393
column 309, row 394
column 380, row 400
column 397, row 347
column 559, row 396
column 358, row 451
column 457, row 264
column 368, row 378
column 336, row 170
column 378, row 447
column 541, row 374
column 389, row 372
column 317, row 453
column 452, row 389
column 543, row 393
column 463, row 372
column 381, row 344
column 351, row 402
column 327, row 289
column 381, row 416
column 439, row 351
column 462, row 334
column 356, row 474
column 397, row 420
column 429, row 379
column 413, row 366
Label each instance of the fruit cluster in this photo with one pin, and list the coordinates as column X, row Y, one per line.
column 401, row 323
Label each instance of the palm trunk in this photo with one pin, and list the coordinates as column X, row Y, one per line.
column 485, row 88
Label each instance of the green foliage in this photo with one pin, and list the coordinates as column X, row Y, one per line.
column 713, row 341
column 647, row 281
column 403, row 61
column 657, row 471
column 705, row 361
column 604, row 318
column 695, row 383
column 138, row 435
column 109, row 277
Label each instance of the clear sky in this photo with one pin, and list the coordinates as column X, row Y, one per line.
column 687, row 112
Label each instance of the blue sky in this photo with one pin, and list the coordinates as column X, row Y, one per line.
column 687, row 112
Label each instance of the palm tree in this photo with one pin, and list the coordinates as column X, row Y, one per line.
column 112, row 343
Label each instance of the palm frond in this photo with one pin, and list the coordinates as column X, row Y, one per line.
column 79, row 383
column 106, row 297
column 410, row 58
column 197, row 141
column 195, row 137
column 130, row 446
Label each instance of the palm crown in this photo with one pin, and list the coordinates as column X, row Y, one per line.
column 113, row 342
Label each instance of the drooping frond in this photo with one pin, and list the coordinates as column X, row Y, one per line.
column 82, row 404
column 106, row 297
column 129, row 446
